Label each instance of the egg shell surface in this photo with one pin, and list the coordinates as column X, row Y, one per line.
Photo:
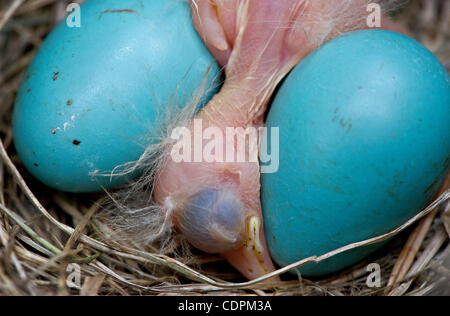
column 364, row 146
column 94, row 96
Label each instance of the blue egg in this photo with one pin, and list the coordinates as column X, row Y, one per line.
column 92, row 97
column 364, row 146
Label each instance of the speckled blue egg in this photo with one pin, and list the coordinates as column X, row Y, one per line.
column 364, row 145
column 93, row 96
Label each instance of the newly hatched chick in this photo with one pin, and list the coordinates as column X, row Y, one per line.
column 215, row 204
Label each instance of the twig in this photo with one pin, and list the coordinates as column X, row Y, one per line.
column 436, row 243
column 446, row 218
column 412, row 246
column 29, row 231
column 10, row 12
column 409, row 252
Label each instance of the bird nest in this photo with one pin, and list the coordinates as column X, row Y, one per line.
column 50, row 244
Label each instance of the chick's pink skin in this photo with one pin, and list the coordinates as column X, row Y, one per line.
column 259, row 41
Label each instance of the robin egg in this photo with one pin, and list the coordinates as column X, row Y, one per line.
column 93, row 95
column 364, row 146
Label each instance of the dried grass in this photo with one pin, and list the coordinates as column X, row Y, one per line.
column 43, row 232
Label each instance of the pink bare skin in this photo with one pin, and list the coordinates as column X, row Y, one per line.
column 259, row 42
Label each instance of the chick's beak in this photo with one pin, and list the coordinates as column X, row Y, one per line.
column 252, row 259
